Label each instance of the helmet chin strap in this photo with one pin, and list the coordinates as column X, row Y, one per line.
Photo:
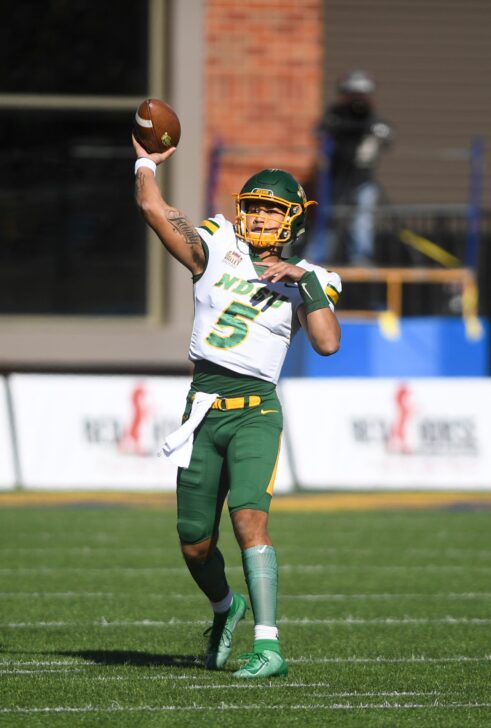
column 259, row 251
column 272, row 250
column 262, row 253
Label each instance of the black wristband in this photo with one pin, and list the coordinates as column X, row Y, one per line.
column 313, row 296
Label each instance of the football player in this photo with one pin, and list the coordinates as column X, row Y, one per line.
column 249, row 303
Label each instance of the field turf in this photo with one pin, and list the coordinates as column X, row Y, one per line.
column 384, row 616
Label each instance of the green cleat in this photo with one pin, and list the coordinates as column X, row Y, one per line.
column 263, row 664
column 221, row 633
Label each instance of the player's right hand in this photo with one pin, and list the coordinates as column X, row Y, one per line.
column 157, row 157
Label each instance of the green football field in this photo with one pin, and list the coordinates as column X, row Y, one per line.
column 384, row 616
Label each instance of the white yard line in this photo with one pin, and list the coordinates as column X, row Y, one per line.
column 61, row 670
column 222, row 707
column 383, row 597
column 80, row 550
column 282, row 684
column 75, row 595
column 352, row 659
column 109, row 548
column 243, row 685
column 41, row 663
column 441, row 550
column 44, row 570
column 387, row 620
column 412, row 659
column 84, row 537
column 293, row 597
column 319, row 568
column 304, row 622
column 285, row 568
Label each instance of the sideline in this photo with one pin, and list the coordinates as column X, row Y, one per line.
column 379, row 500
column 326, row 501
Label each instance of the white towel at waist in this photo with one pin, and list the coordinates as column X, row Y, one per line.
column 178, row 446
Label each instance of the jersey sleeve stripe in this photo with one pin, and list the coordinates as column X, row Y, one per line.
column 211, row 226
column 332, row 293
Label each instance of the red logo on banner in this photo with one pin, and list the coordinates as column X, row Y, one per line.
column 398, row 437
column 132, row 439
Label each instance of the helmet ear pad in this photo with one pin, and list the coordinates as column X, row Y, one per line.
column 278, row 187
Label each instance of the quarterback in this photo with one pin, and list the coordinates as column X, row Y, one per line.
column 249, row 303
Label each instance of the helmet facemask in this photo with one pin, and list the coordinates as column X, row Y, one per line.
column 293, row 214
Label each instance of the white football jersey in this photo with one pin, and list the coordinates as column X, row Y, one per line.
column 241, row 323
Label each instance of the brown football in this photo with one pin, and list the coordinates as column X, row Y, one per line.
column 156, row 126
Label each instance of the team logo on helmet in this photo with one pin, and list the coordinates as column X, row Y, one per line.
column 301, row 193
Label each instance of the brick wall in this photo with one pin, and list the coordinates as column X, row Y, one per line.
column 263, row 88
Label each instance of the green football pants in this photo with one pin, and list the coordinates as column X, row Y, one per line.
column 235, row 452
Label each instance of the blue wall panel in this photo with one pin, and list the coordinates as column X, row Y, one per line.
column 425, row 347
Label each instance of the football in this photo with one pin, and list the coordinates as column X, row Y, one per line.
column 156, row 126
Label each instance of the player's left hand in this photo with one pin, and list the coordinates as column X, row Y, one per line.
column 280, row 270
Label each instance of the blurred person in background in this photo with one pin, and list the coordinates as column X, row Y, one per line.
column 249, row 302
column 352, row 137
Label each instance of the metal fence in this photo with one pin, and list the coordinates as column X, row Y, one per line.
column 413, row 236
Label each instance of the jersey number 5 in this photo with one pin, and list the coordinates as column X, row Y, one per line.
column 232, row 318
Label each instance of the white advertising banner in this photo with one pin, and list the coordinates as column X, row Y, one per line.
column 91, row 432
column 385, row 433
column 7, row 462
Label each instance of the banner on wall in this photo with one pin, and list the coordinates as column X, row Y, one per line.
column 92, row 432
column 101, row 431
column 388, row 433
column 7, row 459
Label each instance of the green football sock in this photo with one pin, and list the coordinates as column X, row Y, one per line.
column 261, row 573
column 210, row 576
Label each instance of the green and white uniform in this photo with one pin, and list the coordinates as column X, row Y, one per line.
column 241, row 334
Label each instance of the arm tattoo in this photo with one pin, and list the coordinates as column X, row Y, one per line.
column 139, row 182
column 182, row 225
